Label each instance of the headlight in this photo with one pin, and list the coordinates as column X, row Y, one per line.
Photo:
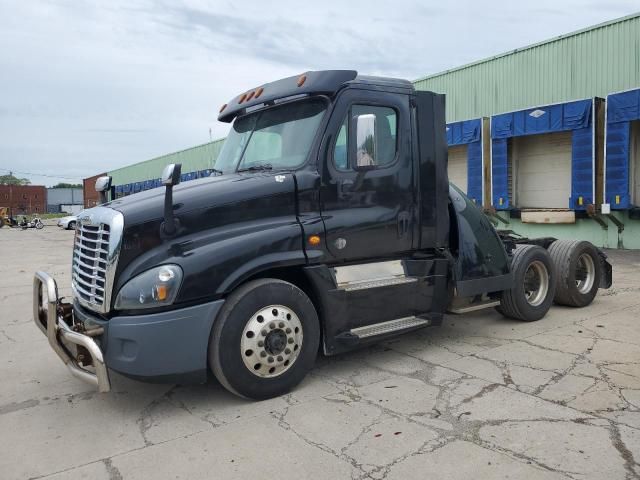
column 153, row 288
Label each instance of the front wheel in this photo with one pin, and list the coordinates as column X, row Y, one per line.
column 534, row 284
column 71, row 225
column 39, row 225
column 265, row 339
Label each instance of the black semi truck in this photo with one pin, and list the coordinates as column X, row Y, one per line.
column 328, row 223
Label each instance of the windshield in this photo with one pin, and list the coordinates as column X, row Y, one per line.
column 277, row 138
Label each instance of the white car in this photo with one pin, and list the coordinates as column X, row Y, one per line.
column 68, row 223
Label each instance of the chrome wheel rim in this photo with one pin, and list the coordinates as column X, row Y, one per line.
column 536, row 283
column 271, row 341
column 585, row 273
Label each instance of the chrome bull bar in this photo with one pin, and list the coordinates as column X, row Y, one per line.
column 56, row 329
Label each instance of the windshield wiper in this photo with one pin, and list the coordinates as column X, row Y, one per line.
column 257, row 168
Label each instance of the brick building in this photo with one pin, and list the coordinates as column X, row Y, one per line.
column 24, row 199
column 91, row 197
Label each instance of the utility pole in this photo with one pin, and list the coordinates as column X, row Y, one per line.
column 10, row 195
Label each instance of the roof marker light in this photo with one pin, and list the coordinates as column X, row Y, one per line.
column 222, row 108
column 242, row 98
column 259, row 92
column 250, row 95
column 301, row 80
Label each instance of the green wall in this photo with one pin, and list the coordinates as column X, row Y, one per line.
column 583, row 229
column 592, row 62
column 193, row 159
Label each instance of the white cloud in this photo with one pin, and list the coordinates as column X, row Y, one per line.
column 88, row 87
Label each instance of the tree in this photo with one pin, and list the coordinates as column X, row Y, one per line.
column 67, row 185
column 11, row 180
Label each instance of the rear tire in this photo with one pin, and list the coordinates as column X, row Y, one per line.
column 578, row 268
column 534, row 284
column 264, row 340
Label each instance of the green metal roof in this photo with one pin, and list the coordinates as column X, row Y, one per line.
column 192, row 159
column 590, row 62
column 594, row 61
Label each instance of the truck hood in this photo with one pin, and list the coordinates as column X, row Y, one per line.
column 202, row 194
column 208, row 210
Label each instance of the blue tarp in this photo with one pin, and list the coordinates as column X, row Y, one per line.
column 574, row 116
column 500, row 174
column 469, row 132
column 460, row 133
column 552, row 118
column 622, row 109
column 581, row 169
column 623, row 106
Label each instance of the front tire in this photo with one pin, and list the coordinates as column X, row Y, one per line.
column 579, row 268
column 264, row 340
column 71, row 226
column 534, row 284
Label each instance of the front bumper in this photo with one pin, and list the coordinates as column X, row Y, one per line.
column 49, row 318
column 169, row 346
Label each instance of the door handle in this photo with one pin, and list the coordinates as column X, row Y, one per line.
column 403, row 224
column 345, row 188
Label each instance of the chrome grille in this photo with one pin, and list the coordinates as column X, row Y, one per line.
column 95, row 254
column 90, row 262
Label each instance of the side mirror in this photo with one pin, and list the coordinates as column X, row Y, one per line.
column 103, row 185
column 170, row 177
column 171, row 174
column 365, row 141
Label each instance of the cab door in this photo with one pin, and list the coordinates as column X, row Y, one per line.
column 367, row 192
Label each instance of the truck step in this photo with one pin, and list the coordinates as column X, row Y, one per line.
column 371, row 275
column 379, row 282
column 389, row 327
column 474, row 306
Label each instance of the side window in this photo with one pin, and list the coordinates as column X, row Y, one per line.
column 340, row 149
column 386, row 135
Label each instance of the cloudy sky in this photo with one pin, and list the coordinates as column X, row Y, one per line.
column 87, row 87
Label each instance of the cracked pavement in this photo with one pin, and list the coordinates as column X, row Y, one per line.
column 481, row 397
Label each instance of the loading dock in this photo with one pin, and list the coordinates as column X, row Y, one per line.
column 458, row 166
column 622, row 157
column 466, row 156
column 635, row 162
column 542, row 165
column 543, row 157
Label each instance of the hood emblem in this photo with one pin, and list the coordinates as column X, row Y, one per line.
column 280, row 178
column 86, row 220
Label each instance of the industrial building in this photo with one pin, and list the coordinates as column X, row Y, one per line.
column 546, row 138
column 90, row 196
column 64, row 200
column 24, row 199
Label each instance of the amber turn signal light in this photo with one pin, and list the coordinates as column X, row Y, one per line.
column 314, row 240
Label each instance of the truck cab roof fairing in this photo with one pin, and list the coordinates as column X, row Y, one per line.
column 308, row 83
